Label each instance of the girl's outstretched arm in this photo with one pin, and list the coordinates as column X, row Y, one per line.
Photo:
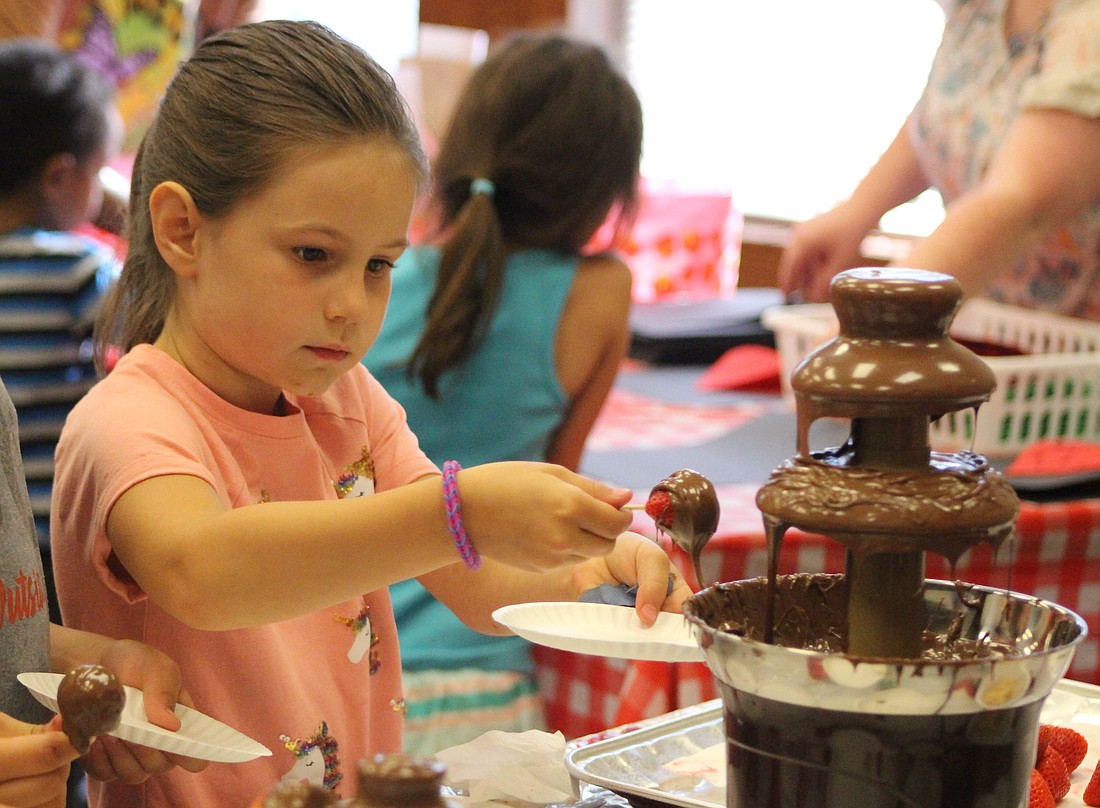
column 635, row 560
column 216, row 567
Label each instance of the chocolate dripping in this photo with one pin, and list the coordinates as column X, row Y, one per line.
column 884, row 494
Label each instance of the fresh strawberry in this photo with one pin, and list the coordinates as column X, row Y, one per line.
column 659, row 507
column 1071, row 745
column 1092, row 790
column 1046, row 732
column 1039, row 796
column 1054, row 771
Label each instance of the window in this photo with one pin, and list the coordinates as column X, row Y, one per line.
column 386, row 29
column 787, row 103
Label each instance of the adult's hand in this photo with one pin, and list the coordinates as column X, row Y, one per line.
column 818, row 249
column 830, row 243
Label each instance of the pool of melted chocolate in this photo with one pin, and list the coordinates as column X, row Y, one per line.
column 808, row 726
column 809, row 612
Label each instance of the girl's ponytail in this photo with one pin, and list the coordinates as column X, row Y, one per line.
column 471, row 273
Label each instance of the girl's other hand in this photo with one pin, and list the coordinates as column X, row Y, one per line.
column 637, row 560
column 34, row 763
column 158, row 677
column 538, row 516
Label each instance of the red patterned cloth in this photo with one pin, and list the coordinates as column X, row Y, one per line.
column 631, row 421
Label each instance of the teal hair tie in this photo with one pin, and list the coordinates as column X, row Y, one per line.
column 480, row 185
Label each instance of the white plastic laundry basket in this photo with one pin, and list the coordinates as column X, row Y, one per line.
column 1053, row 391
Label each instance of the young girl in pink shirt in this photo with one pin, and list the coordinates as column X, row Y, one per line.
column 239, row 491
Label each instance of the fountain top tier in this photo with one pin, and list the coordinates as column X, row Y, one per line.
column 893, row 356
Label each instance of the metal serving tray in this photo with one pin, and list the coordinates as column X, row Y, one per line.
column 631, row 762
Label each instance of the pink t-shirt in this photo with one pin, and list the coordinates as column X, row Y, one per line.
column 320, row 691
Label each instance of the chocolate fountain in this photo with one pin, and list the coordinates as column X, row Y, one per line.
column 878, row 687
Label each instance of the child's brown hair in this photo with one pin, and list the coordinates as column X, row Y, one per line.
column 556, row 130
column 244, row 101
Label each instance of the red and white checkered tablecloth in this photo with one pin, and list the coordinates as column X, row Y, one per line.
column 632, row 421
column 1055, row 556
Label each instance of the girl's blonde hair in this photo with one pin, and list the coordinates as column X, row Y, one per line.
column 245, row 100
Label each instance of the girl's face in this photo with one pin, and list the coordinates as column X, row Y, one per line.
column 288, row 290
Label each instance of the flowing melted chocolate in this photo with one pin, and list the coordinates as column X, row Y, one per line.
column 90, row 701
column 945, row 506
column 691, row 518
column 888, row 499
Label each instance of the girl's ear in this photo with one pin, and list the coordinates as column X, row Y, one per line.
column 175, row 220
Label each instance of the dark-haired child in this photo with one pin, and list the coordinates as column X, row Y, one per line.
column 504, row 336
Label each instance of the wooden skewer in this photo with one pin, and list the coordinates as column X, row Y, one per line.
column 635, row 507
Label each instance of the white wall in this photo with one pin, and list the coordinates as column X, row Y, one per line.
column 386, row 29
column 786, row 103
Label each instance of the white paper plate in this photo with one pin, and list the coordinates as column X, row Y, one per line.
column 199, row 736
column 602, row 630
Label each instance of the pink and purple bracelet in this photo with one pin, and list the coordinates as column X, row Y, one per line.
column 453, row 505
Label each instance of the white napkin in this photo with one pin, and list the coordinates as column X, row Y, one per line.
column 510, row 767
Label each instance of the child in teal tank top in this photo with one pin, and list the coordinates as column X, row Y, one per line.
column 503, row 337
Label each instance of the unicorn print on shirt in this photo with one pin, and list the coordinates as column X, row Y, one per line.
column 364, row 639
column 316, row 759
column 357, row 480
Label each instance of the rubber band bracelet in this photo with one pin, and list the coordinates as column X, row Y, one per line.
column 453, row 505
